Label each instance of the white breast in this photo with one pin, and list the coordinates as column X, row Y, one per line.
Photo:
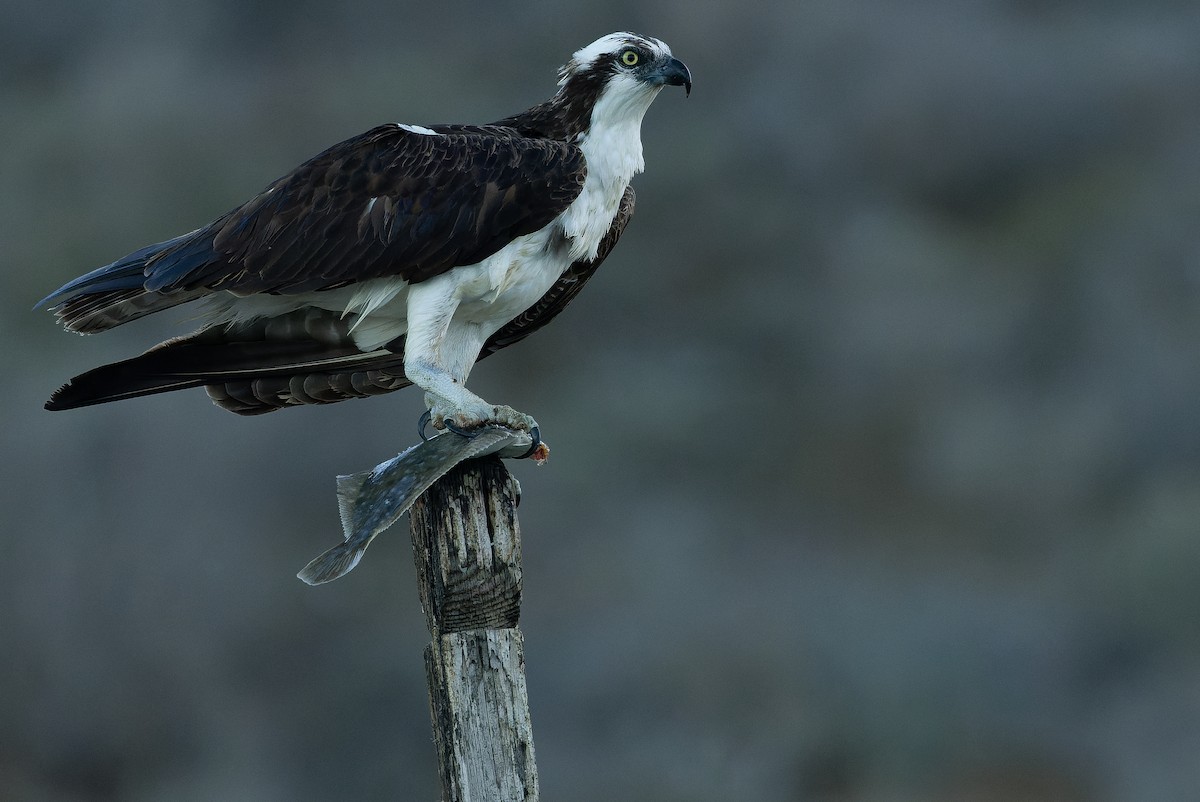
column 612, row 147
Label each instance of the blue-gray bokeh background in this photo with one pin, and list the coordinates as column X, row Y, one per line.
column 876, row 466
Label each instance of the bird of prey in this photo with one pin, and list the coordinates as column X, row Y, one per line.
column 400, row 256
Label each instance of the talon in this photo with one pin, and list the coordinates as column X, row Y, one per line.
column 422, row 422
column 454, row 427
column 427, row 417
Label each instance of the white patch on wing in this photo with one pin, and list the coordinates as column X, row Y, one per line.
column 417, row 129
column 370, row 296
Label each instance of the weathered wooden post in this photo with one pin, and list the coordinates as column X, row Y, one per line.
column 467, row 549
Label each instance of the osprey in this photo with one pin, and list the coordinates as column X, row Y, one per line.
column 400, row 256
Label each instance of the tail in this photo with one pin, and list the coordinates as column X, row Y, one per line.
column 341, row 559
column 337, row 562
column 116, row 293
column 305, row 357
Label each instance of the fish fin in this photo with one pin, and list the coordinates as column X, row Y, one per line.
column 337, row 562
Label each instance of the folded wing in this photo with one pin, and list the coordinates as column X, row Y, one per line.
column 392, row 202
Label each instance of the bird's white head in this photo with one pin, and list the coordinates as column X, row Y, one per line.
column 616, row 77
column 604, row 91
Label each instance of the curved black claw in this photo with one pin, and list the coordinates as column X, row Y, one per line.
column 535, row 434
column 427, row 416
column 467, row 433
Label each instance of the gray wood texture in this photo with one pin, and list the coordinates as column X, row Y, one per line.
column 467, row 549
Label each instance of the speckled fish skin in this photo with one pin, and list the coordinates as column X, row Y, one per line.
column 373, row 500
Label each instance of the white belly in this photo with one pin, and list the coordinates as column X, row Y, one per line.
column 509, row 281
column 489, row 294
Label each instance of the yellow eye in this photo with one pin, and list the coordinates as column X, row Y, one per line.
column 629, row 58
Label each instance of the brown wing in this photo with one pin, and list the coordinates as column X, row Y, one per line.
column 390, row 202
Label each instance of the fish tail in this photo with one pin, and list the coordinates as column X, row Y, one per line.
column 337, row 562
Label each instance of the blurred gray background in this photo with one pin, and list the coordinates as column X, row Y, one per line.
column 876, row 468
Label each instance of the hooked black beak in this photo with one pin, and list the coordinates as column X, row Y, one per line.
column 674, row 73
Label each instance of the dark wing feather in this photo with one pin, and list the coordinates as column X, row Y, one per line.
column 390, row 202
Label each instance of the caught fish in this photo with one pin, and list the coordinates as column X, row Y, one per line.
column 371, row 501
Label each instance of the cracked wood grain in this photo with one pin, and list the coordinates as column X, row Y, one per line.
column 467, row 549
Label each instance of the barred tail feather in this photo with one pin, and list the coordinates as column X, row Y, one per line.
column 269, row 393
column 306, row 357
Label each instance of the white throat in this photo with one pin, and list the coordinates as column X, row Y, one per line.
column 612, row 147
